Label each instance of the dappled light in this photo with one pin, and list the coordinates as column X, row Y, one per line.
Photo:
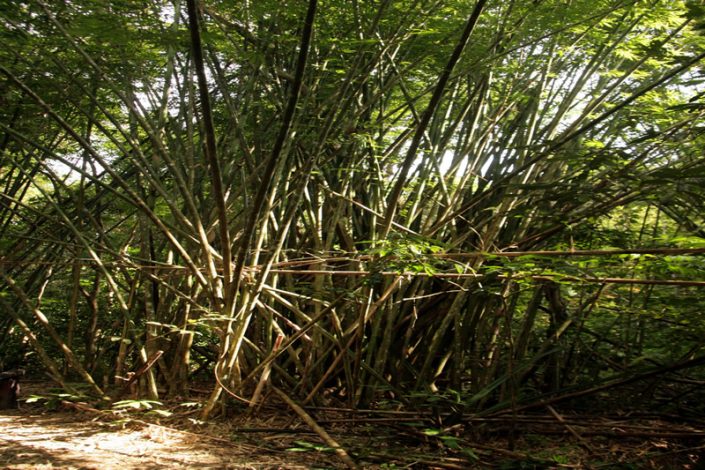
column 67, row 440
column 391, row 234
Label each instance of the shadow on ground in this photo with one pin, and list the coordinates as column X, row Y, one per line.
column 76, row 441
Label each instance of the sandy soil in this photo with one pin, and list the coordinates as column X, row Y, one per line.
column 80, row 437
column 71, row 441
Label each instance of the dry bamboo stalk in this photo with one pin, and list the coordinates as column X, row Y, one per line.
column 265, row 375
column 358, row 257
column 344, row 456
column 597, row 280
column 570, row 429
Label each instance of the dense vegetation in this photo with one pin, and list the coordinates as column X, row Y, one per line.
column 475, row 205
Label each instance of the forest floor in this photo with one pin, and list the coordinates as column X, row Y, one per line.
column 73, row 441
column 76, row 436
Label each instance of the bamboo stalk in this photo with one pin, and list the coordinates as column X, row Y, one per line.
column 337, row 448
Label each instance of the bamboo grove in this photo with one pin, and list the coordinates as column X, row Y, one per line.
column 474, row 203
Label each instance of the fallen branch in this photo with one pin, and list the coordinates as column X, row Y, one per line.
column 319, row 430
column 480, row 277
column 621, row 434
column 697, row 361
column 570, row 429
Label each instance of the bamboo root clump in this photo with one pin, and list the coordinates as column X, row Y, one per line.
column 352, row 204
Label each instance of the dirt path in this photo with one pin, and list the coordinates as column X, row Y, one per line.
column 33, row 438
column 71, row 441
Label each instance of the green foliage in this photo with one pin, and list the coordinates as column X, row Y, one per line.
column 407, row 254
column 150, row 407
column 564, row 126
column 136, row 404
column 53, row 401
column 304, row 446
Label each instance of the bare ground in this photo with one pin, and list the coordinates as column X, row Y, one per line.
column 80, row 437
column 69, row 440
